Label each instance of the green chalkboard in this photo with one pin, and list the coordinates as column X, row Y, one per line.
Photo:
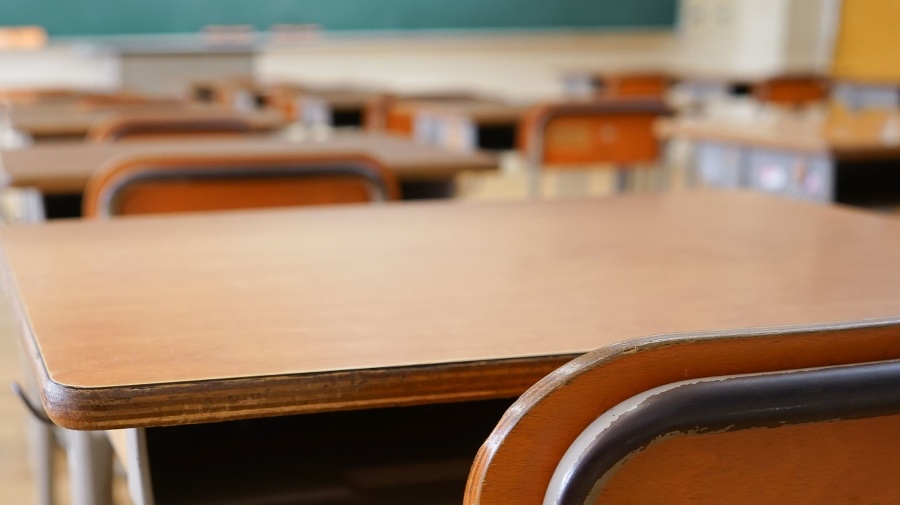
column 109, row 17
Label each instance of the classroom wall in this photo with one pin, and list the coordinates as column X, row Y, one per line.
column 105, row 17
column 70, row 66
column 754, row 37
column 868, row 45
column 812, row 29
column 520, row 66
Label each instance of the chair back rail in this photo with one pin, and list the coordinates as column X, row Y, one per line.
column 791, row 415
column 164, row 184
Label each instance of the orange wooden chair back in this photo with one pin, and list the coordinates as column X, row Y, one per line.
column 651, row 85
column 792, row 90
column 618, row 132
column 167, row 184
column 396, row 115
column 799, row 415
column 399, row 119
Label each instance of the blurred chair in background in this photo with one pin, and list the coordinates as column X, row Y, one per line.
column 164, row 184
column 575, row 135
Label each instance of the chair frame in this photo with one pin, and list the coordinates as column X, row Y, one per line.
column 102, row 189
column 518, row 461
column 723, row 404
column 532, row 141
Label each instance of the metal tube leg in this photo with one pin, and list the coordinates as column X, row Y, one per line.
column 90, row 467
column 41, row 446
column 41, row 439
column 622, row 178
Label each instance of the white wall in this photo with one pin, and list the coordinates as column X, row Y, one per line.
column 754, row 37
column 71, row 66
column 518, row 65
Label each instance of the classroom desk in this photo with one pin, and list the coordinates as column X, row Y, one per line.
column 153, row 322
column 64, row 168
column 70, row 121
column 848, row 159
column 861, row 95
column 337, row 106
column 617, row 83
column 312, row 105
column 468, row 125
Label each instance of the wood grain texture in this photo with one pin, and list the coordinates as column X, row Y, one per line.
column 517, row 461
column 830, row 462
column 66, row 167
column 143, row 321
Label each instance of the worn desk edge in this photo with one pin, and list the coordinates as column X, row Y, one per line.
column 252, row 397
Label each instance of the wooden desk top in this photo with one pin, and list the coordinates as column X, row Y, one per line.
column 155, row 321
column 338, row 99
column 867, row 136
column 480, row 111
column 71, row 120
column 66, row 167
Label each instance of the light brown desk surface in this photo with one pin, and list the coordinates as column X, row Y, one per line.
column 154, row 321
column 846, row 137
column 480, row 110
column 66, row 167
column 71, row 120
column 338, row 99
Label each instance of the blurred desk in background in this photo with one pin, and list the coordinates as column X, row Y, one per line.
column 852, row 159
column 423, row 170
column 72, row 121
column 170, row 63
column 464, row 123
column 621, row 83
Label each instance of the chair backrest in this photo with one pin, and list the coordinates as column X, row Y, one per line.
column 116, row 127
column 634, row 85
column 165, row 184
column 395, row 114
column 796, row 415
column 599, row 131
column 792, row 90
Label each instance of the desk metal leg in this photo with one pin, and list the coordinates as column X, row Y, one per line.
column 41, row 439
column 41, row 446
column 90, row 467
column 130, row 447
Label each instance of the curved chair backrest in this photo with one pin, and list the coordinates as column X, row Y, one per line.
column 636, row 85
column 792, row 90
column 797, row 415
column 599, row 131
column 164, row 184
column 115, row 127
column 395, row 115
